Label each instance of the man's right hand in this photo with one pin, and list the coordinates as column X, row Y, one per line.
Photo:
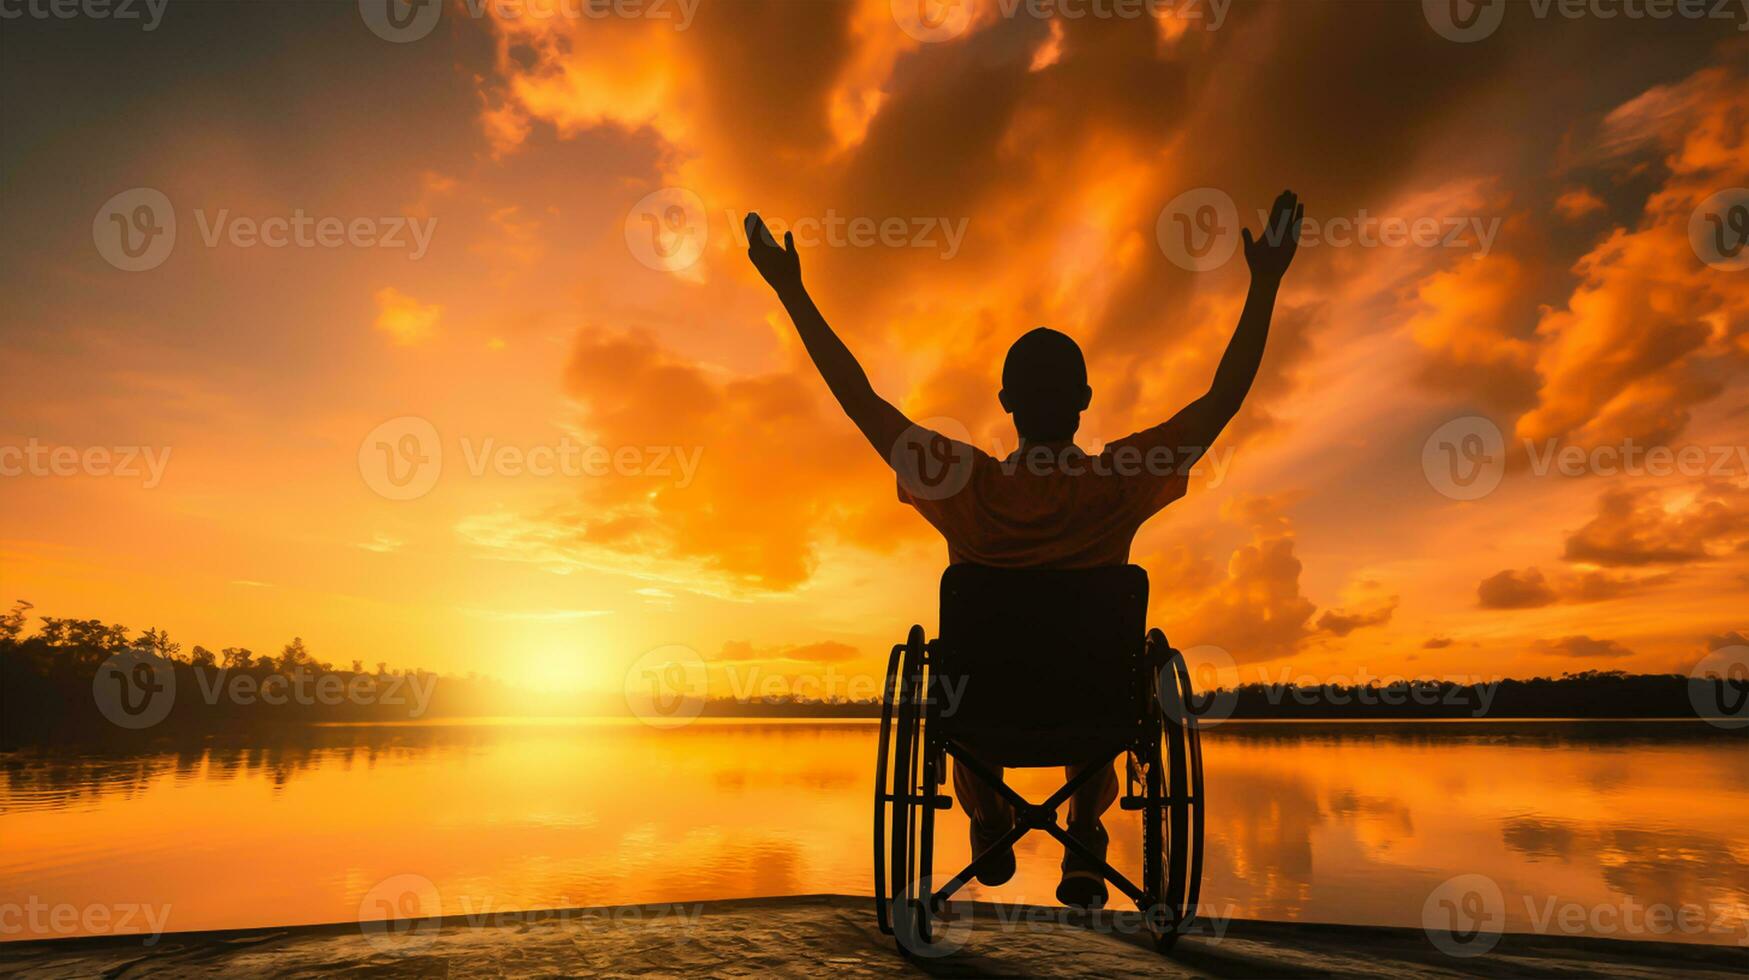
column 1270, row 254
column 778, row 264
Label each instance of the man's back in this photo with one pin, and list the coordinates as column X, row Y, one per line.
column 1045, row 506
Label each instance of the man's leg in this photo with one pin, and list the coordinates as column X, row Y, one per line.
column 1093, row 798
column 991, row 817
column 980, row 800
column 1083, row 886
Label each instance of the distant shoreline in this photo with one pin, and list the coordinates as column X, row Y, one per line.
column 80, row 681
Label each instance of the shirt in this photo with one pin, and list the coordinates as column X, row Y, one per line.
column 1044, row 506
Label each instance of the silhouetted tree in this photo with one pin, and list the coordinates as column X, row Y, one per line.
column 157, row 643
column 294, row 654
column 12, row 623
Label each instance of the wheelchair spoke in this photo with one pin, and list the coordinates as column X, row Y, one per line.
column 1068, row 789
column 1110, row 873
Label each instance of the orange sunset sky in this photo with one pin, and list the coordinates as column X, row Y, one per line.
column 1581, row 147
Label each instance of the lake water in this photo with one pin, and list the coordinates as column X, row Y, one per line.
column 1578, row 823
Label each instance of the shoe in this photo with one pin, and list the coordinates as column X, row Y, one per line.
column 997, row 868
column 1083, row 887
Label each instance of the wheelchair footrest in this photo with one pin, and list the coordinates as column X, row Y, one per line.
column 1141, row 802
column 941, row 801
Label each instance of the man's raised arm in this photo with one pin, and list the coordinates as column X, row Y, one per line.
column 880, row 422
column 1202, row 420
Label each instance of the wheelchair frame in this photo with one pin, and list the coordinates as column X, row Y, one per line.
column 1163, row 780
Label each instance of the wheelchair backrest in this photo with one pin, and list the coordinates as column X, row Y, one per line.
column 1043, row 649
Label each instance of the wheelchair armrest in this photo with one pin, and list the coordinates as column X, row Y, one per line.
column 1159, row 652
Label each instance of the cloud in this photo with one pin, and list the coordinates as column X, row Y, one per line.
column 1515, row 590
column 1473, row 321
column 1649, row 329
column 824, row 652
column 1654, row 526
column 382, row 543
column 778, row 475
column 1577, row 203
column 1254, row 610
column 1732, row 638
column 1643, row 331
column 1437, row 643
column 1530, row 588
column 1340, row 622
column 539, row 615
column 406, row 320
column 1584, row 647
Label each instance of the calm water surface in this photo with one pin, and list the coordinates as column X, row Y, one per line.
column 1334, row 822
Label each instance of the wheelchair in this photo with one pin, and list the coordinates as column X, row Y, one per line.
column 1050, row 668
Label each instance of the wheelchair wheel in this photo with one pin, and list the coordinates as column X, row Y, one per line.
column 1172, row 829
column 883, row 795
column 902, row 792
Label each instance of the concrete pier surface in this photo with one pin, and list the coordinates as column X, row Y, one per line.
column 836, row 935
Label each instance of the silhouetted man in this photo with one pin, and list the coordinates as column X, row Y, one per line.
column 1048, row 505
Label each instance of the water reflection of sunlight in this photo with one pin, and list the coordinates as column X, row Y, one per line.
column 1337, row 823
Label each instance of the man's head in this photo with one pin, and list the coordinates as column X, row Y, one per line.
column 1044, row 386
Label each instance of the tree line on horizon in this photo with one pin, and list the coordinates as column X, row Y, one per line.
column 47, row 691
column 48, row 678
